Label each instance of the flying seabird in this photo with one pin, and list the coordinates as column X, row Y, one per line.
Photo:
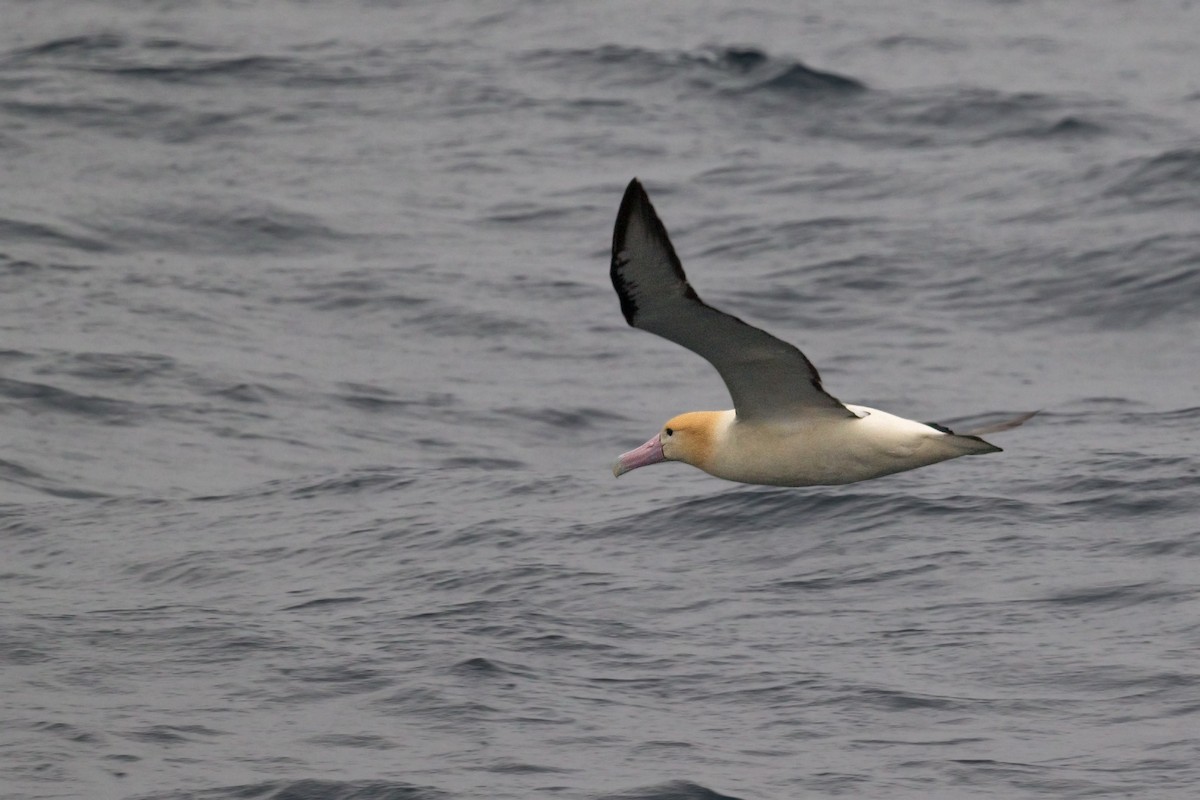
column 784, row 428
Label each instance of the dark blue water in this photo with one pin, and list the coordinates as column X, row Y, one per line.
column 311, row 377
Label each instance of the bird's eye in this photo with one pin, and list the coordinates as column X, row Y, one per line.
column 670, row 432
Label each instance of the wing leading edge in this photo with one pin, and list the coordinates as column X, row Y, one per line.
column 765, row 376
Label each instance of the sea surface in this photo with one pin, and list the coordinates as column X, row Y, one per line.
column 312, row 376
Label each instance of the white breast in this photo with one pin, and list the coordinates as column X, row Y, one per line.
column 820, row 450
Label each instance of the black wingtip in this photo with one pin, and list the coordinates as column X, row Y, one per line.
column 635, row 197
column 637, row 201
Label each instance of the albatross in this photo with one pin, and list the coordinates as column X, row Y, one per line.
column 784, row 429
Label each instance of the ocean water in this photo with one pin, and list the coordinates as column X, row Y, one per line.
column 311, row 377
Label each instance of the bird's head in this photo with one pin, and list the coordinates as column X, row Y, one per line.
column 689, row 438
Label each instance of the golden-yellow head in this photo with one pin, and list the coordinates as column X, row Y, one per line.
column 689, row 438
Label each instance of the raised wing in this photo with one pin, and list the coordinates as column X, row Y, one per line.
column 765, row 376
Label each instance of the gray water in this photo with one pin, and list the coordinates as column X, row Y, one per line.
column 311, row 377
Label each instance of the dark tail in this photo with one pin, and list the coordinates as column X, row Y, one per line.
column 1003, row 425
